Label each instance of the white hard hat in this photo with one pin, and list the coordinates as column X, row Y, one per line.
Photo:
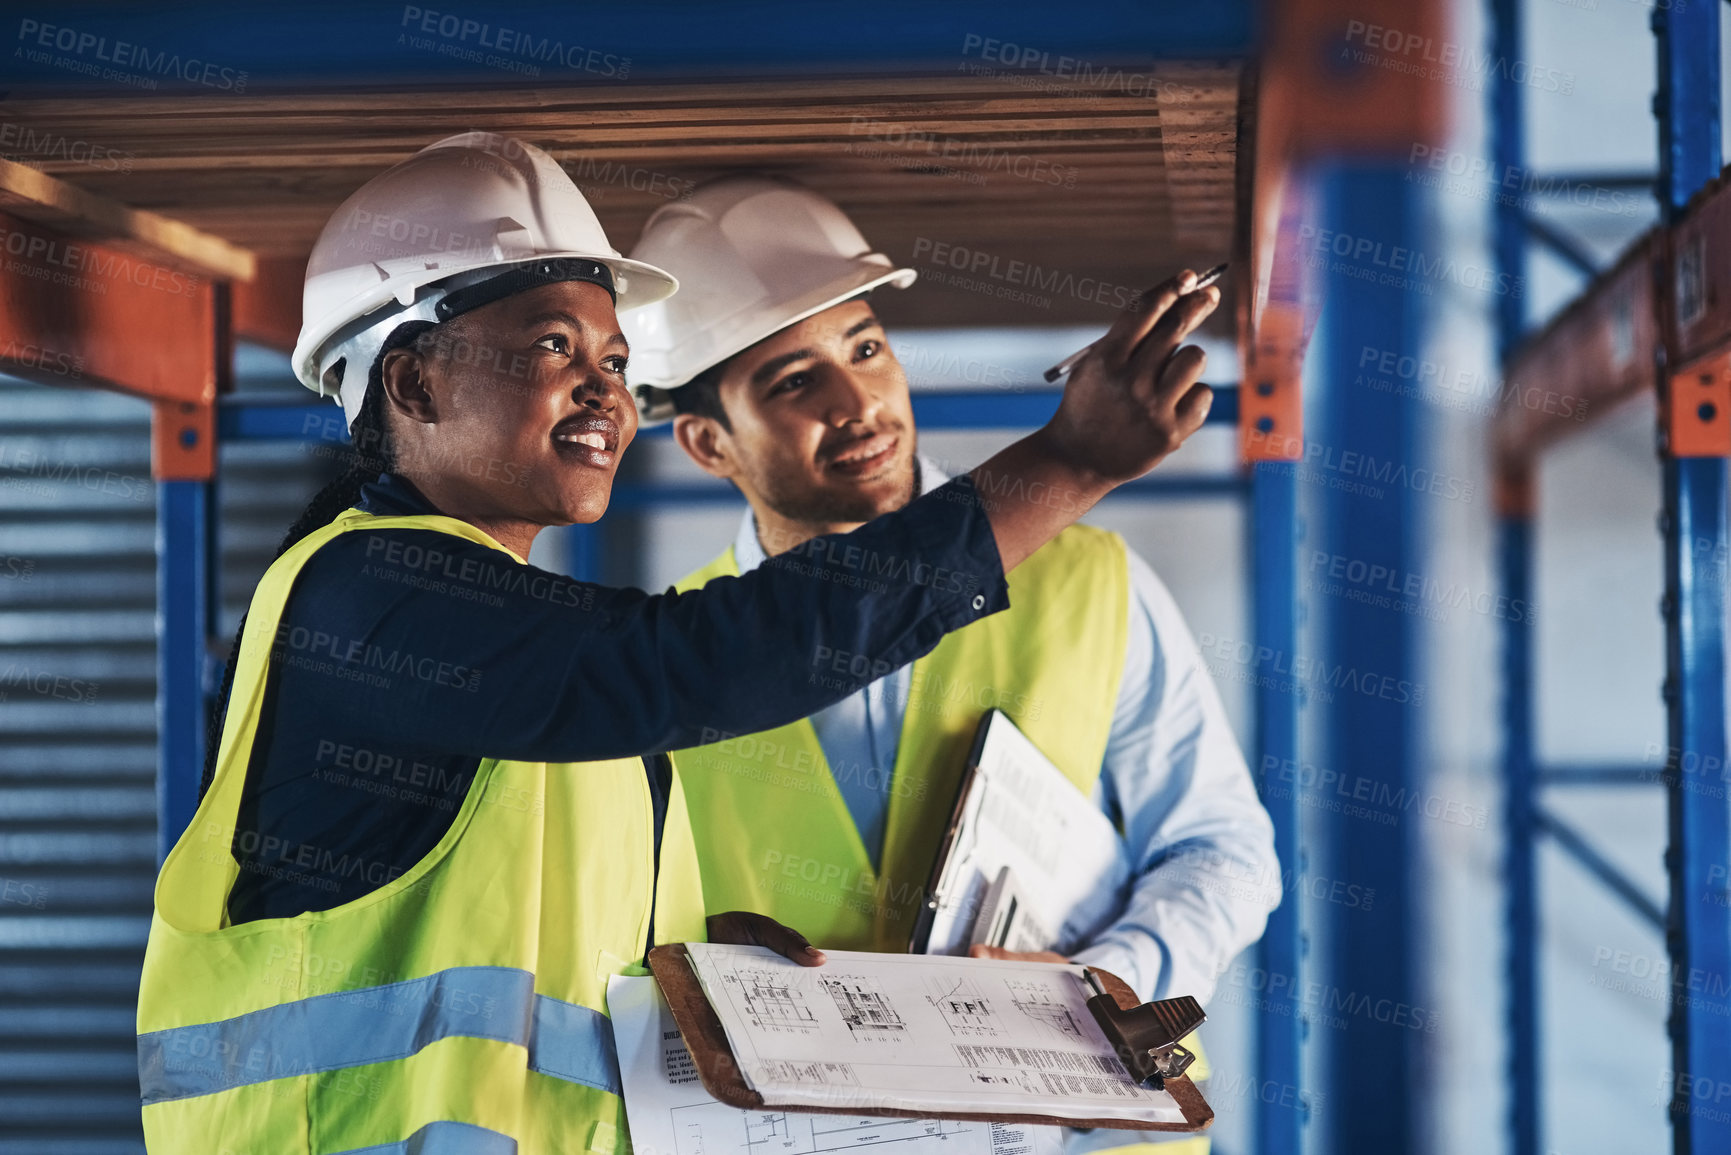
column 465, row 221
column 753, row 255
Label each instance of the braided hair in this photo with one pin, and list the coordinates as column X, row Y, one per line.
column 370, row 453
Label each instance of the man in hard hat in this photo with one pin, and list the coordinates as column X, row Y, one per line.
column 781, row 380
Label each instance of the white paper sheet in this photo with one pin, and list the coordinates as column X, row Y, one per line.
column 1024, row 813
column 920, row 1032
column 671, row 1114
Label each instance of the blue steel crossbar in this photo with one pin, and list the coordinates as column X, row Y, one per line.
column 242, row 418
column 1600, row 867
column 1569, row 775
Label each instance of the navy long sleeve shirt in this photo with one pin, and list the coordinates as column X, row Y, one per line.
column 405, row 656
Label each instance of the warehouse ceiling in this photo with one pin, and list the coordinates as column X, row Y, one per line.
column 1023, row 198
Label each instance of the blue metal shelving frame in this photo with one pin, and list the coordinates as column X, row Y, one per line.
column 1697, row 929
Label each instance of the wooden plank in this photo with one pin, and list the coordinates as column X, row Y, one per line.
column 77, row 212
column 1151, row 186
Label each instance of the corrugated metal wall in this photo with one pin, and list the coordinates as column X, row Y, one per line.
column 77, row 737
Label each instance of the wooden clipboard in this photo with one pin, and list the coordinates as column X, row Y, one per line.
column 706, row 1039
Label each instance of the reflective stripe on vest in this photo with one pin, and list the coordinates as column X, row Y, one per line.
column 376, row 1025
column 445, row 1138
column 460, row 1006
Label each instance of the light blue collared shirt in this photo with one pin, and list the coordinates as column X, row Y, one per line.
column 1198, row 843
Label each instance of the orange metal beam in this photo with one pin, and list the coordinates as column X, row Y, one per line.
column 1341, row 77
column 267, row 309
column 1595, row 353
column 1695, row 402
column 75, row 312
column 1670, row 290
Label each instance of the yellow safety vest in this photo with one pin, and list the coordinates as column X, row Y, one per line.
column 773, row 830
column 774, row 833
column 460, row 1007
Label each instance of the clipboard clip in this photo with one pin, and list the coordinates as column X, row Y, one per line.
column 1146, row 1037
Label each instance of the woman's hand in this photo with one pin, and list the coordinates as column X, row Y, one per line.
column 746, row 928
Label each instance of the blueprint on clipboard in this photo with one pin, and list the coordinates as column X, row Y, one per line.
column 1021, row 812
column 671, row 1114
column 921, row 1034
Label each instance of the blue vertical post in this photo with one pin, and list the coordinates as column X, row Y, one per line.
column 1520, row 883
column 1698, row 924
column 1514, row 555
column 1365, row 449
column 1273, row 526
column 185, row 600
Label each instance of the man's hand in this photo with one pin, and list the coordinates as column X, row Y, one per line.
column 998, row 952
column 1138, row 394
column 1131, row 401
column 746, row 928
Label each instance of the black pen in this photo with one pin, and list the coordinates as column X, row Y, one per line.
column 1069, row 362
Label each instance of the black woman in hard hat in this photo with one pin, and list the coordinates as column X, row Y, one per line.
column 431, row 834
